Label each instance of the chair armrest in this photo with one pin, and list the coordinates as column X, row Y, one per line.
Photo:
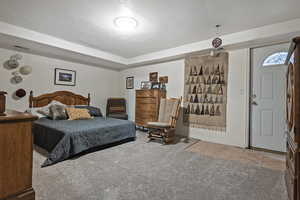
column 158, row 125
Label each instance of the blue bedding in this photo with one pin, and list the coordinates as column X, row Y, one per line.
column 66, row 138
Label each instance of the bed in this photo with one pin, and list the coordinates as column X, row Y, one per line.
column 63, row 139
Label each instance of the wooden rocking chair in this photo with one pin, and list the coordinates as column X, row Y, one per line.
column 165, row 127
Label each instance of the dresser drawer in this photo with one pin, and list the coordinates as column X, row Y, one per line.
column 145, row 100
column 291, row 183
column 147, row 108
column 145, row 93
column 145, row 115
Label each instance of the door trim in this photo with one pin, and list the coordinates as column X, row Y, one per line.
column 247, row 98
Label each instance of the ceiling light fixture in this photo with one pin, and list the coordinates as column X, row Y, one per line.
column 126, row 23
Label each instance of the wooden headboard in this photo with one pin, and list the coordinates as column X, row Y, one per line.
column 64, row 97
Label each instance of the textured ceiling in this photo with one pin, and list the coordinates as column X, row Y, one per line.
column 163, row 24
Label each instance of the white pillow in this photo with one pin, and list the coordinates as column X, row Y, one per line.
column 34, row 111
column 46, row 109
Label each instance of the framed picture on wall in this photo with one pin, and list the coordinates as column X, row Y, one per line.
column 153, row 76
column 130, row 82
column 163, row 79
column 65, row 77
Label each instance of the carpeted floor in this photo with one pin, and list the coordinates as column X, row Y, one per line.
column 140, row 171
column 246, row 156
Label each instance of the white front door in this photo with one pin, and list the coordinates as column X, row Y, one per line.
column 268, row 100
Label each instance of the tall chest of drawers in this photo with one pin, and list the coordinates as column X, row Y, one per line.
column 147, row 106
column 292, row 174
column 16, row 156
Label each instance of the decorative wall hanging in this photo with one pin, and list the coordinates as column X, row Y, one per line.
column 153, row 77
column 205, row 91
column 13, row 62
column 130, row 82
column 20, row 93
column 25, row 70
column 164, row 79
column 65, row 77
column 217, row 42
column 16, row 79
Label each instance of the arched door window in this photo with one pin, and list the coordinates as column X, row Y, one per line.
column 275, row 59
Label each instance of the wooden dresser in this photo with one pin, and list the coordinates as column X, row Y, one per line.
column 147, row 105
column 292, row 175
column 16, row 156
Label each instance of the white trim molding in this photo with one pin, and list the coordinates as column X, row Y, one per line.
column 280, row 32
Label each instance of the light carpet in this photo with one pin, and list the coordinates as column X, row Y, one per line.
column 140, row 171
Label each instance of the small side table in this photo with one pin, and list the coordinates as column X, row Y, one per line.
column 16, row 152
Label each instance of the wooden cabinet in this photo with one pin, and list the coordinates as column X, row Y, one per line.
column 147, row 105
column 292, row 174
column 16, row 156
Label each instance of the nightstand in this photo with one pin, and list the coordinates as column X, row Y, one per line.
column 16, row 156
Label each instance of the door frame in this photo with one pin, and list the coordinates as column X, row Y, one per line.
column 249, row 86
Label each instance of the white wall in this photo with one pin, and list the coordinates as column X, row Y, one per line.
column 237, row 121
column 101, row 83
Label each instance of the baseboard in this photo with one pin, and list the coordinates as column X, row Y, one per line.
column 267, row 150
column 28, row 194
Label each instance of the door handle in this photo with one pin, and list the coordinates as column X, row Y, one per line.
column 254, row 103
column 253, row 96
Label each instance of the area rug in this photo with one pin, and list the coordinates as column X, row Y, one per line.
column 140, row 171
column 205, row 91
